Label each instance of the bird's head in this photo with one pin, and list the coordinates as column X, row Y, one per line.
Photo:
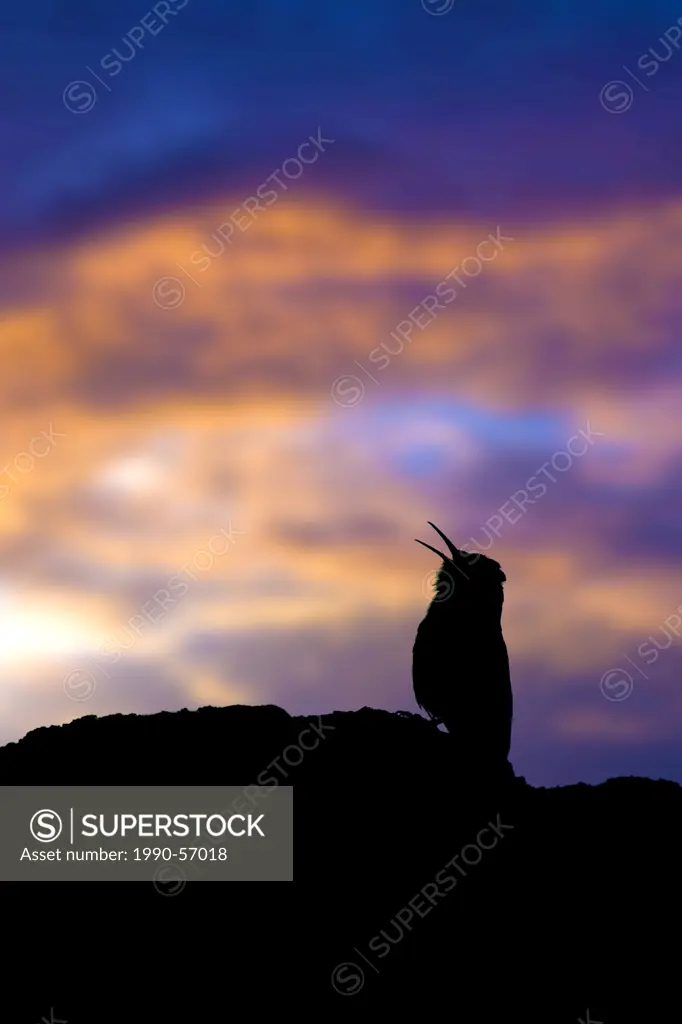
column 471, row 576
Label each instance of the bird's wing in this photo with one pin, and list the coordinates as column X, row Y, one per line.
column 425, row 670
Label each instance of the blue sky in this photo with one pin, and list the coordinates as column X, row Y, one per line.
column 222, row 407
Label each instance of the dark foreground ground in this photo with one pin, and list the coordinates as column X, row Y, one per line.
column 575, row 909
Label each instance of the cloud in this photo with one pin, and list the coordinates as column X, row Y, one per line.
column 492, row 112
column 173, row 423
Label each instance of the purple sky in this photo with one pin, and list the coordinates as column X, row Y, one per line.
column 247, row 391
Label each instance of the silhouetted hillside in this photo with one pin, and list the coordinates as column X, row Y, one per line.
column 575, row 906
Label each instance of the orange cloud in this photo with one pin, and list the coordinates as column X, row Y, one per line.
column 179, row 421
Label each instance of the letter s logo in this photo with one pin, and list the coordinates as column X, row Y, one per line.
column 45, row 826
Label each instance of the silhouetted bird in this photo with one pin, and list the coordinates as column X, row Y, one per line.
column 460, row 664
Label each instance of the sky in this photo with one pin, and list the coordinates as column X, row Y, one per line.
column 280, row 283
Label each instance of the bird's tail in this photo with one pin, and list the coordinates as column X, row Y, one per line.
column 434, row 718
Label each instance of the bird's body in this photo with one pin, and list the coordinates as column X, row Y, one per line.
column 460, row 663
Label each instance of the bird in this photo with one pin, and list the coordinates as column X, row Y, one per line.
column 460, row 662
